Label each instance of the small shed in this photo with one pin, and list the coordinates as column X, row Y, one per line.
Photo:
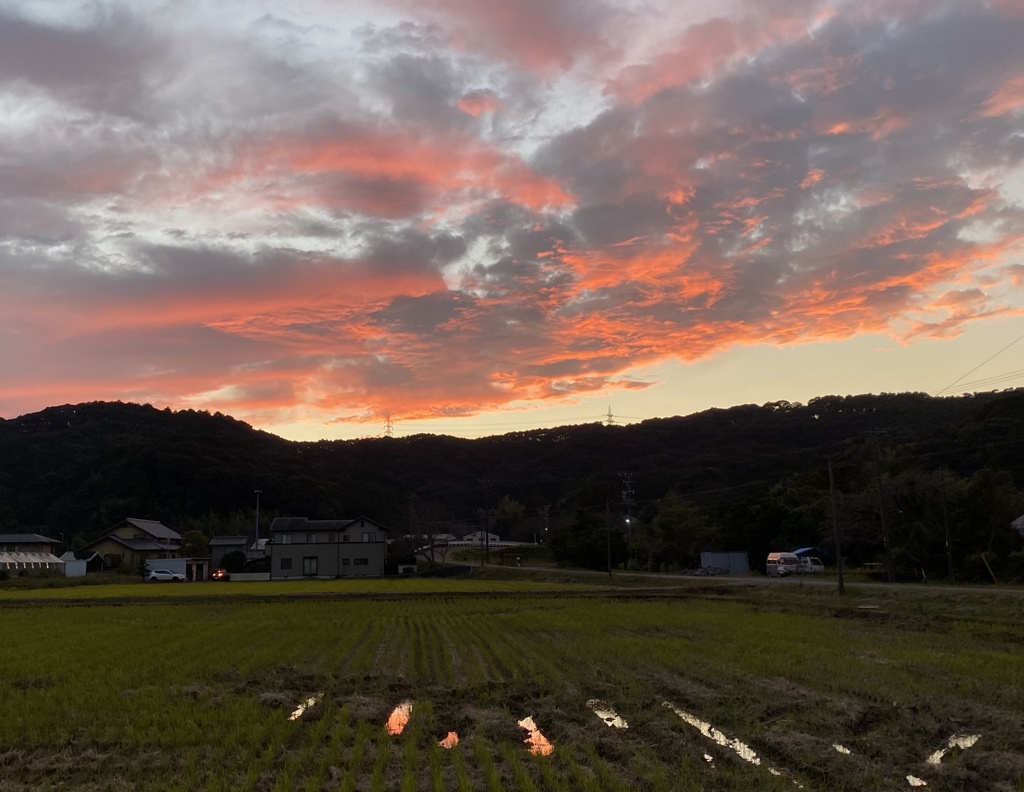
column 81, row 562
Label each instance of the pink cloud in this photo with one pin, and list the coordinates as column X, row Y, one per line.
column 477, row 103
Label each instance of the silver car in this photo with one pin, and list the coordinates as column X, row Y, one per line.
column 165, row 574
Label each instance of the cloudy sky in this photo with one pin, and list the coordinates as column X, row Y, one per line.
column 477, row 217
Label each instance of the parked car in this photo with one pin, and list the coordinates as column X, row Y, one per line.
column 810, row 564
column 782, row 564
column 165, row 574
column 220, row 574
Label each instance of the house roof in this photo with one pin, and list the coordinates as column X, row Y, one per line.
column 28, row 558
column 154, row 528
column 138, row 545
column 13, row 538
column 305, row 524
column 228, row 540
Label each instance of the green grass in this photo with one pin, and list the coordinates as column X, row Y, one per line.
column 383, row 586
column 196, row 694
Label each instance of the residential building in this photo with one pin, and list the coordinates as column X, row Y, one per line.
column 304, row 548
column 134, row 541
column 220, row 546
column 27, row 543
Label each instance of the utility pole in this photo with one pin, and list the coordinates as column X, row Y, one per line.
column 258, row 518
column 945, row 528
column 890, row 576
column 835, row 527
column 627, row 508
column 608, row 532
column 487, row 533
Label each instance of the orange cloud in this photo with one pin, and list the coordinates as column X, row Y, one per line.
column 1007, row 98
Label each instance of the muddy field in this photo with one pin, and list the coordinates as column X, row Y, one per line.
column 708, row 688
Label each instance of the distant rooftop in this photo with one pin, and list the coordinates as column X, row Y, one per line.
column 154, row 528
column 305, row 524
column 13, row 538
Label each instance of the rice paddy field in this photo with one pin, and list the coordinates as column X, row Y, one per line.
column 509, row 685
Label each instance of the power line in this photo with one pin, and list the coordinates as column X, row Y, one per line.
column 954, row 382
column 996, row 380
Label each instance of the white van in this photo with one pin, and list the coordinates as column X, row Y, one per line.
column 782, row 564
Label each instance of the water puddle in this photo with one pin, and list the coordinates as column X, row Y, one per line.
column 842, row 749
column 961, row 741
column 399, row 718
column 742, row 750
column 539, row 744
column 607, row 714
column 309, row 703
column 914, row 781
column 450, row 741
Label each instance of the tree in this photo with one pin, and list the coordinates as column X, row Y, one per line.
column 681, row 530
column 233, row 562
column 194, row 544
column 585, row 543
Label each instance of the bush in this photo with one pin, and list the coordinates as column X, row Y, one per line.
column 1014, row 568
column 233, row 562
column 975, row 570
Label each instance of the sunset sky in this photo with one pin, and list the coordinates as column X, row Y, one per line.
column 478, row 217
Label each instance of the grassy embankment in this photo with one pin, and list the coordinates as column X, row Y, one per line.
column 196, row 695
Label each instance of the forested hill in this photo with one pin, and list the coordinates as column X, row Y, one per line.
column 760, row 472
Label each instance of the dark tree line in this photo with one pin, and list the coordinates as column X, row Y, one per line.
column 943, row 475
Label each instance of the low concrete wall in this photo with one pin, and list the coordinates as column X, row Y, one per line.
column 243, row 577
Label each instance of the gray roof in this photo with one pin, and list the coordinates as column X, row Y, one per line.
column 28, row 558
column 6, row 538
column 154, row 528
column 139, row 544
column 305, row 524
column 229, row 540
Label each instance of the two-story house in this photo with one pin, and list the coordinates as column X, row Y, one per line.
column 134, row 541
column 304, row 548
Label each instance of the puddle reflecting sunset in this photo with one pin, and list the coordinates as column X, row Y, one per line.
column 607, row 714
column 399, row 718
column 450, row 741
column 961, row 741
column 741, row 749
column 539, row 744
column 305, row 705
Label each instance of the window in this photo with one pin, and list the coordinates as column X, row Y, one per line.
column 311, row 538
column 369, row 536
column 285, row 538
column 345, row 561
column 286, row 563
column 309, row 565
column 344, row 537
column 361, row 561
